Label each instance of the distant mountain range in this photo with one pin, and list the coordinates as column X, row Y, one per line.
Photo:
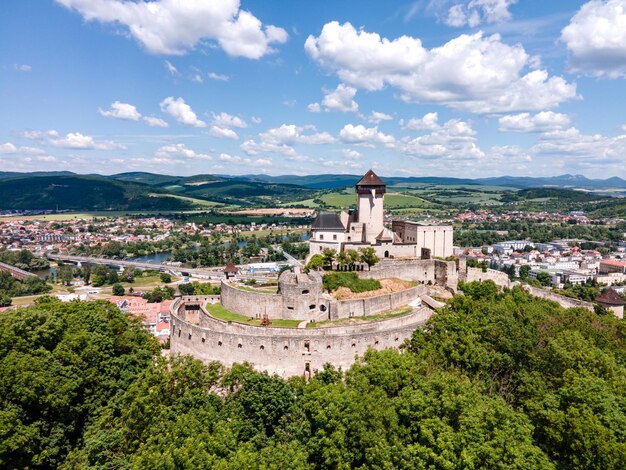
column 149, row 191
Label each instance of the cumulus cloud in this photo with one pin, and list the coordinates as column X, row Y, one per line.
column 229, row 121
column 181, row 111
column 218, row 77
column 454, row 140
column 596, row 38
column 119, row 110
column 540, row 122
column 282, row 140
column 39, row 135
column 360, row 134
column 179, row 151
column 351, row 154
column 427, row 122
column 78, row 141
column 223, row 132
column 377, row 117
column 173, row 27
column 340, row 99
column 8, row 148
column 225, row 157
column 475, row 12
column 314, row 108
column 155, row 121
column 476, row 73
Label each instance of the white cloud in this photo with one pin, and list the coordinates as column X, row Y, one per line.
column 471, row 72
column 9, row 148
column 229, row 121
column 197, row 78
column 540, row 122
column 341, row 165
column 340, row 99
column 260, row 162
column 282, row 139
column 78, row 141
column 314, row 108
column 360, row 134
column 173, row 27
column 475, row 12
column 170, row 68
column 223, row 132
column 256, row 120
column 218, row 77
column 180, row 151
column 427, row 122
column 351, row 154
column 181, row 111
column 623, row 127
column 155, row 121
column 454, row 140
column 596, row 38
column 376, row 117
column 39, row 135
column 121, row 111
column 23, row 67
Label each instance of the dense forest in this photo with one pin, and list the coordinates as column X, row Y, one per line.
column 495, row 380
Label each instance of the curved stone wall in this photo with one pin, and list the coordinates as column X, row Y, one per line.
column 285, row 351
column 251, row 304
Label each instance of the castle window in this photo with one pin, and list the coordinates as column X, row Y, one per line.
column 386, row 254
column 240, row 345
column 203, row 340
column 189, row 337
column 219, row 343
column 307, row 346
column 289, row 308
column 262, row 348
column 321, row 236
column 179, row 333
column 311, row 307
column 328, row 346
column 334, row 237
column 286, row 347
column 305, row 291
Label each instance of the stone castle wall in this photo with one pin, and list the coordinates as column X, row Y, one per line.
column 498, row 277
column 251, row 304
column 419, row 270
column 285, row 351
column 374, row 305
column 565, row 302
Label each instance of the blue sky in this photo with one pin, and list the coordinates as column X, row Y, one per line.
column 442, row 87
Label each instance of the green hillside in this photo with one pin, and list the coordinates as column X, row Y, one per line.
column 83, row 193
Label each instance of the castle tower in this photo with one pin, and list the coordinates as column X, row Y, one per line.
column 370, row 192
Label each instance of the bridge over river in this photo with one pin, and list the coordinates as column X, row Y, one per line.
column 207, row 273
column 17, row 273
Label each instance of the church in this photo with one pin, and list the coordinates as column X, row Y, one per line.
column 365, row 227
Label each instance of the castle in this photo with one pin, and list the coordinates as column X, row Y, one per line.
column 364, row 227
column 324, row 328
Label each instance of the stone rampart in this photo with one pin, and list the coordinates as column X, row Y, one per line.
column 374, row 305
column 425, row 271
column 563, row 301
column 251, row 304
column 498, row 277
column 286, row 351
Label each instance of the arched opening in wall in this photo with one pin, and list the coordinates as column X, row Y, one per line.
column 386, row 254
column 307, row 346
column 179, row 333
column 322, row 308
column 307, row 371
column 312, row 307
column 305, row 291
column 328, row 346
column 203, row 340
column 239, row 345
column 354, row 343
column 262, row 347
column 219, row 343
column 189, row 336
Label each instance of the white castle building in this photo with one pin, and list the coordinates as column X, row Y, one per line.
column 364, row 227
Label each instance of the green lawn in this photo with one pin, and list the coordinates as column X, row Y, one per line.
column 221, row 313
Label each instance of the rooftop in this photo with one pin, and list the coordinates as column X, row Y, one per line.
column 610, row 297
column 327, row 221
column 370, row 179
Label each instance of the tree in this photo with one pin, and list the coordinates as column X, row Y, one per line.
column 368, row 256
column 544, row 278
column 66, row 274
column 316, row 262
column 329, row 256
column 118, row 289
column 186, row 289
column 166, row 278
column 5, row 300
column 343, row 259
column 523, row 271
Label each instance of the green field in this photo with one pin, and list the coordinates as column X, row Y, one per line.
column 386, row 315
column 221, row 313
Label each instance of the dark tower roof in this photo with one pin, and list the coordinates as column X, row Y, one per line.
column 610, row 297
column 231, row 268
column 370, row 179
column 327, row 221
